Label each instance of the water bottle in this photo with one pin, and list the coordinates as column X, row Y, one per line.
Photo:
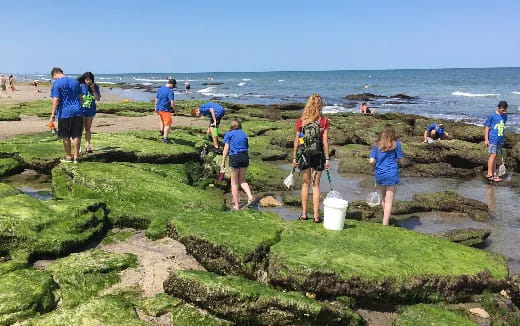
column 300, row 138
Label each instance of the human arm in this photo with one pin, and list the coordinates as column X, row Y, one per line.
column 212, row 112
column 486, row 136
column 326, row 147
column 425, row 140
column 224, row 156
column 95, row 91
column 55, row 103
column 174, row 108
column 295, row 149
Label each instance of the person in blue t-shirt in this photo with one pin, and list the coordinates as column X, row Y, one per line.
column 66, row 106
column 236, row 144
column 384, row 157
column 164, row 102
column 494, row 138
column 90, row 93
column 433, row 132
column 215, row 112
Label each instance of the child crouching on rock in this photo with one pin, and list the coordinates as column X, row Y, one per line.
column 236, row 145
column 384, row 156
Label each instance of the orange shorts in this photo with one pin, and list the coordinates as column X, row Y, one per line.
column 166, row 117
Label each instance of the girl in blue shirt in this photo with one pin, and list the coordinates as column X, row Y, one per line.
column 90, row 93
column 236, row 145
column 383, row 157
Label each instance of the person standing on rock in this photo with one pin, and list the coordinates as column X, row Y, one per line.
column 90, row 93
column 3, row 85
column 215, row 112
column 66, row 106
column 494, row 138
column 311, row 152
column 164, row 102
column 433, row 132
column 236, row 145
column 384, row 156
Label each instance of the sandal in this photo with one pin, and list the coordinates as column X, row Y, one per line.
column 66, row 160
column 496, row 179
column 317, row 220
column 303, row 217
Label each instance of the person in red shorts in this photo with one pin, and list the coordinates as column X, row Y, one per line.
column 164, row 103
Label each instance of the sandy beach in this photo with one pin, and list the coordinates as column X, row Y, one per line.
column 102, row 122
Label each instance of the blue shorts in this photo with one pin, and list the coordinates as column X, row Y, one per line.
column 387, row 180
column 88, row 113
column 494, row 149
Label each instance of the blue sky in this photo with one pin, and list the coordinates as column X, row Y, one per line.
column 112, row 36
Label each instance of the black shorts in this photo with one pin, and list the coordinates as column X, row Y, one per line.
column 315, row 162
column 217, row 122
column 240, row 160
column 70, row 127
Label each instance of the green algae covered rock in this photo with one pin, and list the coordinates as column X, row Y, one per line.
column 376, row 263
column 228, row 242
column 106, row 311
column 159, row 304
column 427, row 315
column 9, row 166
column 467, row 237
column 83, row 275
column 251, row 303
column 135, row 196
column 53, row 228
column 187, row 315
column 7, row 190
column 25, row 293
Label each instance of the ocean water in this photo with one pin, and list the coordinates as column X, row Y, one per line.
column 456, row 94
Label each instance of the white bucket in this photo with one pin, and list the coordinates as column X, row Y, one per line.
column 334, row 211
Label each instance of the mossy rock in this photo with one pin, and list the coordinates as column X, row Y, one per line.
column 159, row 304
column 500, row 309
column 106, row 311
column 10, row 116
column 449, row 201
column 372, row 262
column 25, row 293
column 42, row 228
column 427, row 315
column 228, row 242
column 147, row 200
column 10, row 166
column 83, row 275
column 467, row 237
column 118, row 236
column 251, row 303
column 187, row 315
column 7, row 190
column 263, row 176
column 354, row 165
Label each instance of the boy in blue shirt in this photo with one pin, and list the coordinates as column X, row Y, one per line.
column 494, row 138
column 215, row 112
column 164, row 101
column 66, row 106
column 433, row 132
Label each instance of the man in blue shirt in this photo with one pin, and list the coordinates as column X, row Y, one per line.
column 494, row 138
column 164, row 101
column 433, row 132
column 215, row 112
column 66, row 106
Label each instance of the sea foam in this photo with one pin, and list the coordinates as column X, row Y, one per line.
column 474, row 95
column 241, row 84
column 518, row 93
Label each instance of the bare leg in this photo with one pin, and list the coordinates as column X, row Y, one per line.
column 316, row 176
column 387, row 199
column 306, row 181
column 77, row 143
column 88, row 125
column 492, row 160
column 234, row 187
column 66, row 146
column 166, row 131
column 213, row 137
column 243, row 184
column 161, row 127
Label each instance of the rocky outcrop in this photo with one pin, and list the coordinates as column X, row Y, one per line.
column 370, row 96
column 467, row 237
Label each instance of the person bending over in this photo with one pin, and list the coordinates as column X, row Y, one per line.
column 433, row 132
column 215, row 112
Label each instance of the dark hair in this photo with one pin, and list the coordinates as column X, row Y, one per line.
column 88, row 74
column 56, row 70
column 235, row 124
column 172, row 81
column 502, row 104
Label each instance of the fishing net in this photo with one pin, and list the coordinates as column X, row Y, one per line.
column 373, row 199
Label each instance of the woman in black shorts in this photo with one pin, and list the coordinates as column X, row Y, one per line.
column 236, row 145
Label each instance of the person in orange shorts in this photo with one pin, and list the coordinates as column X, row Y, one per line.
column 164, row 103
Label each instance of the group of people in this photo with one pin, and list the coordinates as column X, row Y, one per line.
column 74, row 105
column 7, row 83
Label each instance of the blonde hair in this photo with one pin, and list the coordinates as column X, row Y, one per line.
column 312, row 111
column 387, row 139
column 235, row 124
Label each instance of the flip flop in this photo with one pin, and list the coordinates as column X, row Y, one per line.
column 303, row 217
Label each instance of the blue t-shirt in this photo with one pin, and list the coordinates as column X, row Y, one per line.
column 164, row 97
column 495, row 122
column 219, row 109
column 237, row 140
column 68, row 91
column 89, row 101
column 386, row 169
column 431, row 127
